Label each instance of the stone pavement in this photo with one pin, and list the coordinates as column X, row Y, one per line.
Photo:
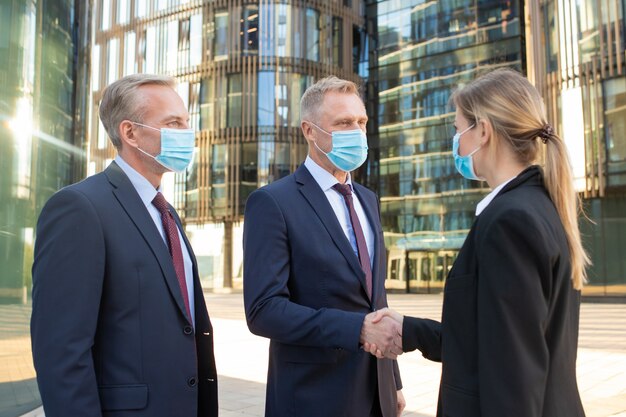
column 242, row 359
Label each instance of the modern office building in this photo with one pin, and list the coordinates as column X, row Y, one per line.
column 423, row 51
column 578, row 51
column 573, row 52
column 42, row 112
column 242, row 67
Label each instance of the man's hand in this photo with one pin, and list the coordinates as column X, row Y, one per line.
column 401, row 403
column 378, row 318
column 383, row 337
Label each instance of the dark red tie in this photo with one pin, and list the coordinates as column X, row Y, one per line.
column 364, row 258
column 173, row 242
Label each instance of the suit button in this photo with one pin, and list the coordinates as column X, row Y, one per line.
column 187, row 330
column 192, row 381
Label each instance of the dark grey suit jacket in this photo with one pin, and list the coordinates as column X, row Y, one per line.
column 509, row 330
column 305, row 290
column 109, row 329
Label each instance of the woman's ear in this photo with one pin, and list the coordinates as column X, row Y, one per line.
column 486, row 131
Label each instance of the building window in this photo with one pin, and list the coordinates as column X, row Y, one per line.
column 195, row 40
column 615, row 128
column 95, row 68
column 123, row 11
column 171, row 40
column 141, row 8
column 207, row 104
column 249, row 30
column 184, row 42
column 220, row 35
column 113, row 60
column 105, row 14
column 312, row 34
column 130, row 62
column 234, row 100
column 266, row 98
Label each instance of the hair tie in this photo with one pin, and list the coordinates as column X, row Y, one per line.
column 546, row 133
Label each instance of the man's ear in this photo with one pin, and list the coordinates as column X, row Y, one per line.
column 307, row 129
column 127, row 133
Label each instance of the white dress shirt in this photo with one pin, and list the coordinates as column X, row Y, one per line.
column 326, row 181
column 147, row 193
column 485, row 201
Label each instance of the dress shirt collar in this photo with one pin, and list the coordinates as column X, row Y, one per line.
column 145, row 190
column 323, row 178
column 482, row 205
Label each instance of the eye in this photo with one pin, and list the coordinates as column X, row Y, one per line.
column 174, row 123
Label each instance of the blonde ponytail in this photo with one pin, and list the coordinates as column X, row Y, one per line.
column 559, row 182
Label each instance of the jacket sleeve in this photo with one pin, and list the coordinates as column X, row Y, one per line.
column 67, row 285
column 422, row 334
column 269, row 310
column 512, row 309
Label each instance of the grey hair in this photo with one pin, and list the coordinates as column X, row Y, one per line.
column 120, row 102
column 314, row 95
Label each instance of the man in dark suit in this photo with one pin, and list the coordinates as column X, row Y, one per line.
column 119, row 324
column 314, row 267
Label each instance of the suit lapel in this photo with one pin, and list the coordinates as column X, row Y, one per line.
column 128, row 198
column 312, row 192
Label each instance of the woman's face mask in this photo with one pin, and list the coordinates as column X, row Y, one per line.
column 464, row 164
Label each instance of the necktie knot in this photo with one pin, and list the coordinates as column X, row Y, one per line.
column 161, row 203
column 343, row 189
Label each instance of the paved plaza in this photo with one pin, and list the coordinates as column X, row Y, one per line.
column 242, row 359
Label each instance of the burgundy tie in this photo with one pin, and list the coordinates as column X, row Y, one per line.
column 364, row 258
column 173, row 242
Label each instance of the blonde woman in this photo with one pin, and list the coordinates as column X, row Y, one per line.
column 509, row 329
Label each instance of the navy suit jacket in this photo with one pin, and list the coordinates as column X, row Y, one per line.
column 509, row 330
column 305, row 290
column 109, row 329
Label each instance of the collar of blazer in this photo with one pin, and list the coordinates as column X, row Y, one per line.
column 128, row 198
column 533, row 175
column 314, row 195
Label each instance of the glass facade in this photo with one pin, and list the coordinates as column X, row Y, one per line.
column 242, row 68
column 581, row 72
column 423, row 51
column 41, row 150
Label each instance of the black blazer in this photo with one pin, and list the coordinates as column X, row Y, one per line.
column 509, row 330
column 109, row 329
column 305, row 290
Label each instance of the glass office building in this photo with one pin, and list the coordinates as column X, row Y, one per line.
column 423, row 51
column 242, row 68
column 42, row 109
column 578, row 51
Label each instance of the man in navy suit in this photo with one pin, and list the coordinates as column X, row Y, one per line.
column 119, row 324
column 314, row 267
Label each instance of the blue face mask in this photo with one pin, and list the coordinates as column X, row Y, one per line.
column 177, row 147
column 349, row 148
column 464, row 164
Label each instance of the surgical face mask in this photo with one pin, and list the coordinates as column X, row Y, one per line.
column 177, row 147
column 464, row 164
column 349, row 148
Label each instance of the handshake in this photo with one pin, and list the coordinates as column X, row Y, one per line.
column 381, row 334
